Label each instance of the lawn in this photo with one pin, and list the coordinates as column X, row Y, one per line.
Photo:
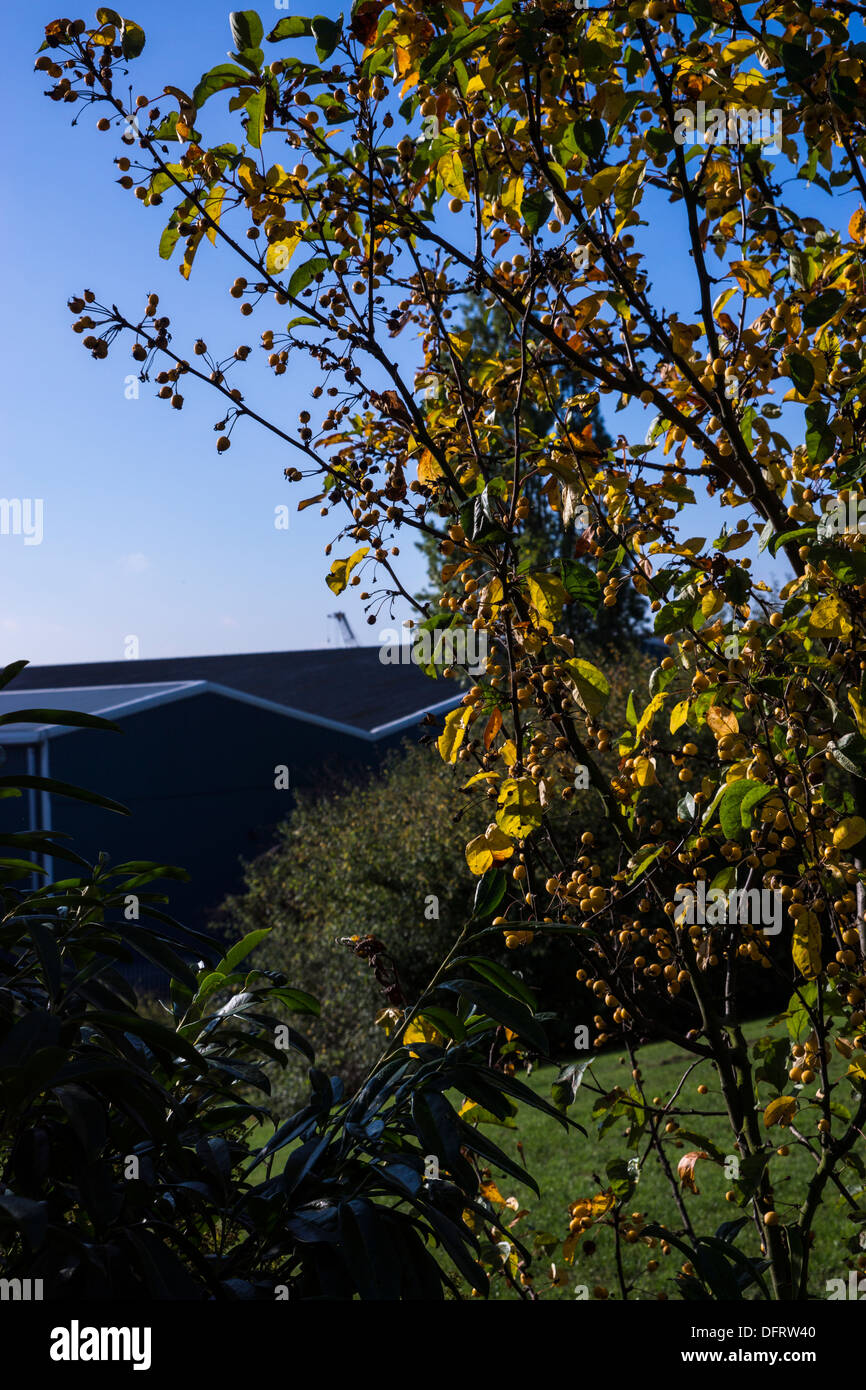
column 568, row 1167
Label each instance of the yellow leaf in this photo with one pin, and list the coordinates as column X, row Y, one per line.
column 849, row 831
column 420, row 1030
column 279, row 253
column 213, row 208
column 491, row 596
column 453, row 734
column 249, row 176
column 857, row 226
column 548, row 594
column 780, row 1111
column 519, row 807
column 752, row 278
column 591, row 685
column 450, row 170
column 490, row 1192
column 428, row 468
column 806, row 945
column 569, row 1246
column 722, row 300
column 831, row 618
column 481, row 777
column 711, row 603
column 600, row 187
column 584, row 312
column 341, row 569
column 650, row 712
column 479, row 856
column 512, row 195
column 645, row 772
column 857, row 1069
column 859, row 710
column 509, row 753
column 493, row 847
column 722, row 721
column 679, row 715
column 388, row 1019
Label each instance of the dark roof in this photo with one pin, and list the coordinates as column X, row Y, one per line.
column 348, row 685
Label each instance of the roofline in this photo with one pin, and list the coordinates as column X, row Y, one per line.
column 185, row 689
column 48, row 731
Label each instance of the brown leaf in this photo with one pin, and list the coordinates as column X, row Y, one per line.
column 366, row 19
column 494, row 724
column 686, row 1169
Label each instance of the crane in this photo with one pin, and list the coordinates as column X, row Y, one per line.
column 346, row 636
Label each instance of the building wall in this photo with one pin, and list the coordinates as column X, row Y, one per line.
column 198, row 778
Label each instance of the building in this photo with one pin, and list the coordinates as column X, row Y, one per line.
column 209, row 753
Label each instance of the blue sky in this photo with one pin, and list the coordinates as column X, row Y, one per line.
column 147, row 530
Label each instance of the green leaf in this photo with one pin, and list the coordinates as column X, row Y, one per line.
column 496, row 974
column 820, row 439
column 822, row 308
column 801, row 372
column 294, row 28
column 787, row 536
column 50, row 784
column 489, row 892
column 644, row 864
column 580, row 582
column 131, row 38
column 797, row 62
column 567, row 1083
column 255, row 125
column 732, row 801
column 327, row 35
column 223, row 76
column 305, row 274
column 298, row 1001
column 589, row 136
column 11, row 671
column 535, row 209
column 247, row 29
column 241, row 949
column 503, row 1009
column 849, row 752
column 593, row 687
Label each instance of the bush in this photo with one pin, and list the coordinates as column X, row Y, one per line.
column 368, row 859
column 129, row 1166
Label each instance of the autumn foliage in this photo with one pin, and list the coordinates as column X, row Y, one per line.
column 537, row 159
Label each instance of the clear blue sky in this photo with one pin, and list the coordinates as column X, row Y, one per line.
column 147, row 530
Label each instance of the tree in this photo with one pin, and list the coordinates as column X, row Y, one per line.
column 552, row 134
column 550, row 537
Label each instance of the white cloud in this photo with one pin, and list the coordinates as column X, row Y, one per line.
column 136, row 563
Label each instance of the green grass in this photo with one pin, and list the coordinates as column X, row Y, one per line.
column 570, row 1166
